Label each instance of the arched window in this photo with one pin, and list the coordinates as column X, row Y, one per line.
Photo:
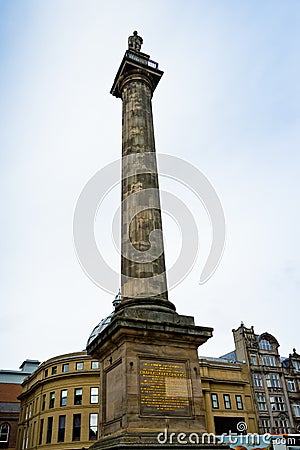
column 265, row 345
column 4, row 432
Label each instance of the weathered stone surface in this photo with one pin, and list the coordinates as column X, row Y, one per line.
column 166, row 343
column 140, row 278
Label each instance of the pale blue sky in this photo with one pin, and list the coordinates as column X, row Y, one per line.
column 228, row 103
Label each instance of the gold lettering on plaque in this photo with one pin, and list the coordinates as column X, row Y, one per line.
column 164, row 388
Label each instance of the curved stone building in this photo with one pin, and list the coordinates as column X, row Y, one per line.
column 60, row 404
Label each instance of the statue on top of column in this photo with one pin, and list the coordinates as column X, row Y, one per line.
column 135, row 42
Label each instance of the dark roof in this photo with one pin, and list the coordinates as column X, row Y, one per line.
column 9, row 407
column 100, row 327
column 231, row 356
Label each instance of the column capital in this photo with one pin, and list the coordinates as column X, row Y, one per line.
column 136, row 64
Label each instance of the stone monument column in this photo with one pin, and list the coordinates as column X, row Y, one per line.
column 150, row 380
column 143, row 272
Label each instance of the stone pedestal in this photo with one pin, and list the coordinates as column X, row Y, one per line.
column 149, row 377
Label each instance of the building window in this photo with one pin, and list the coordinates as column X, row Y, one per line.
column 265, row 425
column 54, row 370
column 239, row 402
column 273, row 380
column 296, row 408
column 63, row 397
column 280, row 403
column 41, row 431
column 95, row 364
column 227, row 402
column 65, row 368
column 61, row 428
column 33, row 434
column 253, row 360
column 46, row 373
column 49, row 430
column 76, row 427
column 291, row 385
column 272, row 361
column 79, row 366
column 52, row 400
column 94, row 397
column 43, row 402
column 257, row 380
column 25, row 439
column 215, row 401
column 269, row 361
column 277, row 404
column 281, row 426
column 93, row 434
column 78, row 396
column 296, row 365
column 285, row 426
column 4, row 432
column 261, row 401
column 265, row 345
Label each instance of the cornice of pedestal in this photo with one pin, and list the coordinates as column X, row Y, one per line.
column 155, row 327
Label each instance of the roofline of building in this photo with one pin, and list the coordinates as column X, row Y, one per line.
column 56, row 359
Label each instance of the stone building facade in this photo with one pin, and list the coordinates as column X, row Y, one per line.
column 227, row 396
column 60, row 404
column 291, row 369
column 274, row 380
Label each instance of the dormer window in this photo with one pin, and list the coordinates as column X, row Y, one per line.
column 265, row 345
